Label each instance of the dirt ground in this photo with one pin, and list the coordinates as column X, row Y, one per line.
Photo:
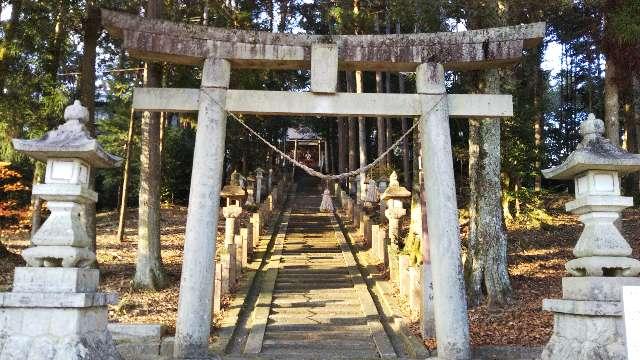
column 536, row 266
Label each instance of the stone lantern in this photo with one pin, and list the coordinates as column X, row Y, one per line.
column 54, row 309
column 592, row 295
column 233, row 194
column 394, row 195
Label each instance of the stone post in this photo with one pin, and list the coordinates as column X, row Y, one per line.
column 217, row 289
column 259, row 176
column 196, row 283
column 403, row 275
column 251, row 182
column 415, row 291
column 255, row 223
column 270, row 181
column 452, row 324
column 592, row 295
column 359, row 188
column 225, row 261
column 54, row 309
column 230, row 214
column 382, row 186
column 237, row 247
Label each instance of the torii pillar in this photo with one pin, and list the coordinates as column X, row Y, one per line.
column 196, row 283
column 449, row 300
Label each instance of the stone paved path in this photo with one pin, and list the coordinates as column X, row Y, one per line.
column 314, row 303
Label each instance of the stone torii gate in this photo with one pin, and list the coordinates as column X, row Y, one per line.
column 220, row 50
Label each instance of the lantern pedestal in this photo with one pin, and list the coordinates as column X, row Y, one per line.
column 55, row 313
column 588, row 322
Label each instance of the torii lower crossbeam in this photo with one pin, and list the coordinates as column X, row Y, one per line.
column 314, row 104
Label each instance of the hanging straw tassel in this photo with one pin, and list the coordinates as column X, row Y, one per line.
column 326, row 205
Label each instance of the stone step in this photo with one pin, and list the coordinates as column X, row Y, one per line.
column 313, row 256
column 304, row 280
column 320, row 294
column 312, row 304
column 299, row 301
column 315, row 315
column 363, row 334
column 365, row 343
column 308, row 287
column 317, row 328
column 300, row 310
column 304, row 271
column 316, row 320
column 324, row 354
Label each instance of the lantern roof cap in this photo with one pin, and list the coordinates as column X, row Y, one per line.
column 232, row 191
column 594, row 152
column 394, row 190
column 69, row 140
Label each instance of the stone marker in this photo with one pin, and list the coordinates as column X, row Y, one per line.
column 255, row 222
column 54, row 310
column 246, row 245
column 382, row 186
column 403, row 275
column 217, row 289
column 259, row 176
column 225, row 276
column 366, row 231
column 415, row 291
column 591, row 298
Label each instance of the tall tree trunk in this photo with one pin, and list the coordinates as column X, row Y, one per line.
column 380, row 121
column 388, row 122
column 352, row 127
column 486, row 261
column 406, row 155
column 362, row 139
column 10, row 35
column 341, row 142
column 611, row 102
column 537, row 122
column 149, row 270
column 122, row 218
column 91, row 29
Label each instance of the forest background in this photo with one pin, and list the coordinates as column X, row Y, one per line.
column 52, row 52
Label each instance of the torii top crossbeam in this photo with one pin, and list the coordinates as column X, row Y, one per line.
column 161, row 40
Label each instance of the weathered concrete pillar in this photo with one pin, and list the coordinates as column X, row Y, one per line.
column 403, row 275
column 270, row 181
column 255, row 223
column 217, row 289
column 230, row 214
column 452, row 325
column 415, row 292
column 259, row 176
column 382, row 186
column 225, row 275
column 196, row 283
column 365, row 227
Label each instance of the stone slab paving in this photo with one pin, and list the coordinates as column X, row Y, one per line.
column 314, row 303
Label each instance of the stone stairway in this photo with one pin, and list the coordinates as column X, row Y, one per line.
column 318, row 304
